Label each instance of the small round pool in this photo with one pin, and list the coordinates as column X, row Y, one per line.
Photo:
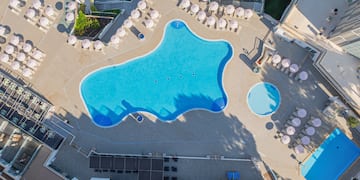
column 263, row 99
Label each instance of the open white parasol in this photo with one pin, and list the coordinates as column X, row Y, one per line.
column 299, row 149
column 301, row 113
column 296, row 122
column 285, row 63
column 30, row 13
column 72, row 5
column 276, row 58
column 248, row 13
column 72, row 40
column 303, row 75
column 141, row 5
column 4, row 58
column 305, row 140
column 21, row 57
column 239, row 12
column 115, row 39
column 128, row 23
column 36, row 4
column 154, row 14
column 149, row 23
column 195, row 8
column 135, row 14
column 120, row 32
column 44, row 21
column 49, row 11
column 27, row 72
column 316, row 122
column 201, row 15
column 98, row 45
column 285, row 139
column 290, row 130
column 229, row 9
column 85, row 44
column 294, row 68
column 234, row 24
column 9, row 49
column 14, row 40
column 69, row 17
column 310, row 131
column 221, row 23
column 210, row 21
column 15, row 65
column 213, row 6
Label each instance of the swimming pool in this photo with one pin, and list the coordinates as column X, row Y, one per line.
column 263, row 99
column 332, row 158
column 183, row 73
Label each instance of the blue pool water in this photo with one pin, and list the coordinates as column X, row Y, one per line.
column 332, row 158
column 263, row 99
column 184, row 72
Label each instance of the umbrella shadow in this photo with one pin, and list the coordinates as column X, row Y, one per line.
column 59, row 5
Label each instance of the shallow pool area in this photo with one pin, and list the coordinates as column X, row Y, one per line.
column 332, row 158
column 263, row 99
column 183, row 73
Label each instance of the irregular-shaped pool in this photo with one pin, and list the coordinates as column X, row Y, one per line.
column 264, row 99
column 183, row 73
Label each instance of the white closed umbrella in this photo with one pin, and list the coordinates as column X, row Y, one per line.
column 32, row 63
column 229, row 9
column 15, row 65
column 195, row 8
column 72, row 5
column 276, row 59
column 310, row 131
column 44, row 21
column 303, row 75
column 128, row 23
column 299, row 149
column 149, row 23
column 72, row 40
column 4, row 58
column 154, row 14
column 21, row 57
column 185, row 3
column 285, row 63
column 210, row 20
column 15, row 40
column 27, row 72
column 316, row 122
column 248, row 13
column 114, row 39
column 14, row 3
column 49, row 11
column 121, row 32
column 30, row 13
column 222, row 23
column 141, row 5
column 135, row 14
column 301, row 113
column 239, row 12
column 294, row 68
column 98, row 45
column 85, row 43
column 9, row 49
column 234, row 24
column 213, row 6
column 2, row 30
column 36, row 4
column 285, row 139
column 37, row 54
column 305, row 140
column 290, row 130
column 296, row 122
column 201, row 15
column 69, row 17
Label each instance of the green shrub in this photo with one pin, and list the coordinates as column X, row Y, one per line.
column 352, row 122
column 83, row 23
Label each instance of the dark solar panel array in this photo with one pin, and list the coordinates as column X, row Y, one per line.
column 147, row 168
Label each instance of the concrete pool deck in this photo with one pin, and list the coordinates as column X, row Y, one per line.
column 235, row 132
